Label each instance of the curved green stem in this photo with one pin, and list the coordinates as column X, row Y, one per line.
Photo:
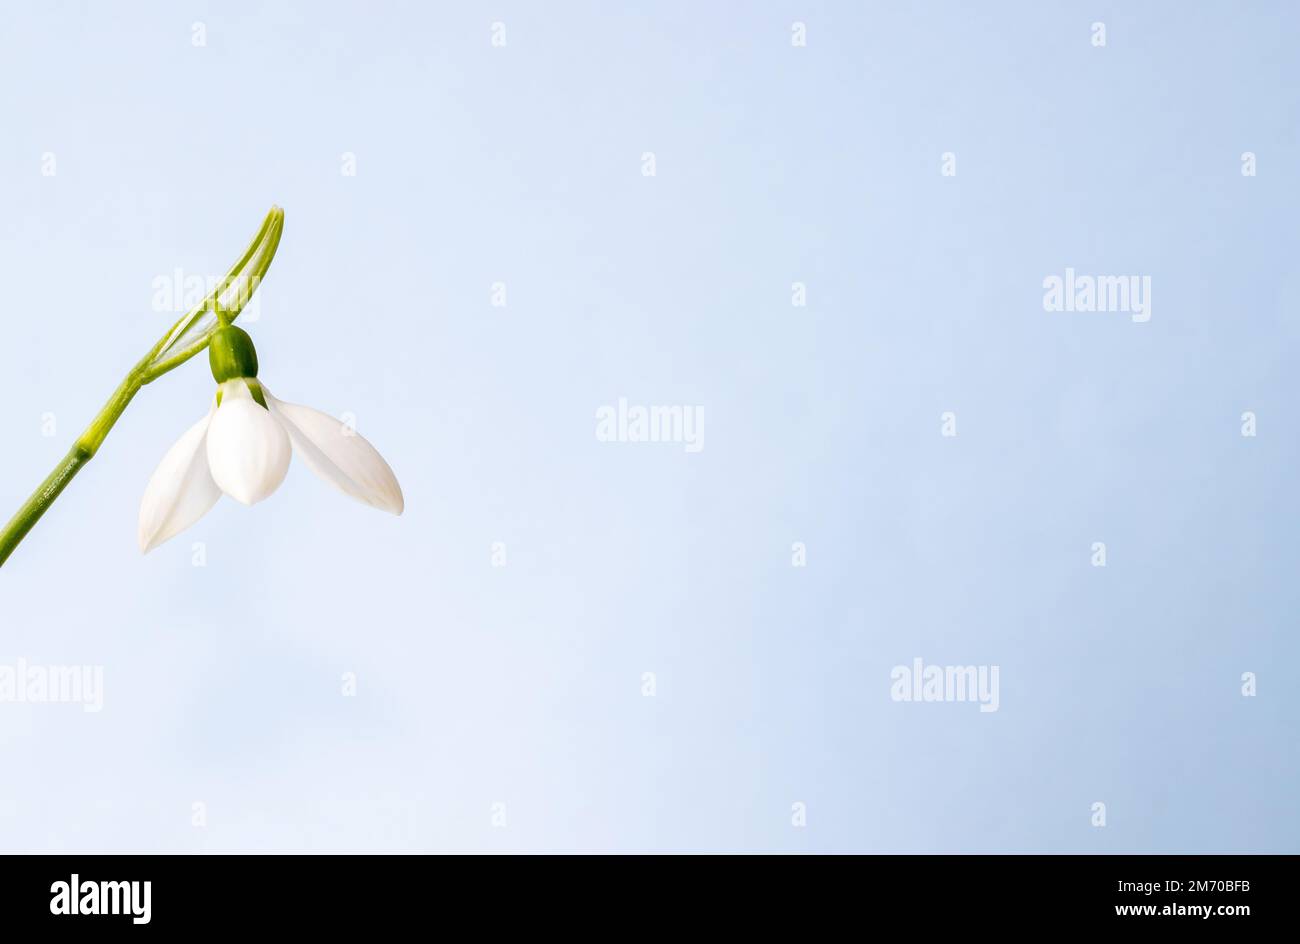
column 185, row 339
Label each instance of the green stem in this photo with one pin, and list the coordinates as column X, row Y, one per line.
column 160, row 359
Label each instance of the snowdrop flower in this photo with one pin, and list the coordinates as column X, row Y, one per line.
column 242, row 448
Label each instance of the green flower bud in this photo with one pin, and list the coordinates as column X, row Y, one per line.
column 231, row 354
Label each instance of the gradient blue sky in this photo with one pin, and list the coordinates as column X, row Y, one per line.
column 522, row 684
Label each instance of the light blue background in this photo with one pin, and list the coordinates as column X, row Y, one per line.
column 775, row 164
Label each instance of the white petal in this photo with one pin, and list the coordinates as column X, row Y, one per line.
column 248, row 450
column 339, row 455
column 181, row 490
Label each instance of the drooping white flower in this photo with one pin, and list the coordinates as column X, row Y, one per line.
column 242, row 448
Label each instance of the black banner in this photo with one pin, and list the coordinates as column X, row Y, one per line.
column 173, row 893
